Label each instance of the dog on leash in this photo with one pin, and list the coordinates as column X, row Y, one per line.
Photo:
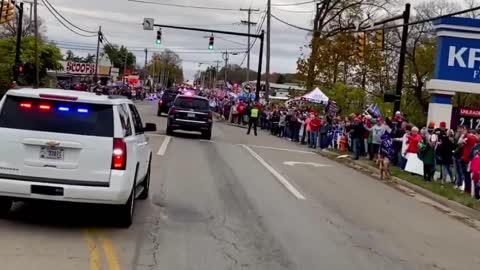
column 383, row 164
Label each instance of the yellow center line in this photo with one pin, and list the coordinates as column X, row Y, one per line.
column 93, row 250
column 109, row 250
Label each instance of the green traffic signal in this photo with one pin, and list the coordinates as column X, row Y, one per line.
column 210, row 47
column 158, row 42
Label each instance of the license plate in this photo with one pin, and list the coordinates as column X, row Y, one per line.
column 51, row 153
column 191, row 115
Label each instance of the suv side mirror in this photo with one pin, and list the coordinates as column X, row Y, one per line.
column 149, row 127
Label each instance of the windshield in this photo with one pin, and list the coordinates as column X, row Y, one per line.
column 192, row 103
column 55, row 116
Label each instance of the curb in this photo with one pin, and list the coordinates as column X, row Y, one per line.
column 462, row 209
column 235, row 125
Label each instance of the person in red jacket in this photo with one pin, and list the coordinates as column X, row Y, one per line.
column 469, row 141
column 412, row 141
column 315, row 125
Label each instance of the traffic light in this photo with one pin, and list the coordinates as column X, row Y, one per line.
column 380, row 39
column 7, row 11
column 360, row 44
column 159, row 37
column 210, row 43
column 20, row 68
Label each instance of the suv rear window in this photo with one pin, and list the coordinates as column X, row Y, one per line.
column 57, row 116
column 192, row 103
column 170, row 95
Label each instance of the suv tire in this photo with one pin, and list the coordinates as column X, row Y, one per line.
column 159, row 112
column 169, row 131
column 146, row 184
column 126, row 211
column 5, row 205
column 207, row 135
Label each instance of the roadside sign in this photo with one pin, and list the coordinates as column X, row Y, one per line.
column 469, row 118
column 148, row 24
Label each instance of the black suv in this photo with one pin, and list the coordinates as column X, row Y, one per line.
column 190, row 113
column 166, row 101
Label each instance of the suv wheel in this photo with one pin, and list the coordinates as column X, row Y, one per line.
column 159, row 112
column 146, row 185
column 169, row 131
column 5, row 205
column 207, row 135
column 126, row 211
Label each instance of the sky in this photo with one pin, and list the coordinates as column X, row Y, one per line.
column 121, row 22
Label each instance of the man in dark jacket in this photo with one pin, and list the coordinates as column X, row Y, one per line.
column 356, row 133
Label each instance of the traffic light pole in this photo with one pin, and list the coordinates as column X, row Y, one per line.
column 260, row 36
column 401, row 62
column 16, row 74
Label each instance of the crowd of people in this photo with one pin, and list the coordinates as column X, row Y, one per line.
column 435, row 152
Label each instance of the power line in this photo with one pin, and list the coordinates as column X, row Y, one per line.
column 233, row 41
column 295, row 11
column 294, row 4
column 69, row 22
column 188, row 50
column 291, row 25
column 183, row 6
column 353, row 30
column 259, row 28
column 66, row 26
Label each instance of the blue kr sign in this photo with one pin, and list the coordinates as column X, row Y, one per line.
column 458, row 51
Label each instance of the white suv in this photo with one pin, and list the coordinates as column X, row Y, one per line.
column 73, row 146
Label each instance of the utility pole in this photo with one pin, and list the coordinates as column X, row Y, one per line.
column 311, row 61
column 225, row 57
column 249, row 24
column 37, row 62
column 98, row 54
column 267, row 64
column 19, row 41
column 401, row 62
column 145, row 67
column 125, row 65
column 216, row 71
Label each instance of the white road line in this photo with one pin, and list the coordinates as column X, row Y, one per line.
column 156, row 135
column 163, row 147
column 277, row 175
column 209, row 141
column 283, row 149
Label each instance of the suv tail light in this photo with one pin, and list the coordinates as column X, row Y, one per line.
column 160, row 102
column 119, row 154
column 172, row 112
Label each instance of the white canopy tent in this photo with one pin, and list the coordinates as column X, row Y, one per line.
column 316, row 96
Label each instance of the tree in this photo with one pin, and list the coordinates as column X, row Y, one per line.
column 10, row 29
column 337, row 16
column 49, row 58
column 166, row 67
column 70, row 56
column 117, row 56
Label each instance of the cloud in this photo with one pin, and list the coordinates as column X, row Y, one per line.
column 121, row 22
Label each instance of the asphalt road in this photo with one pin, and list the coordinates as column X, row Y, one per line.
column 243, row 202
